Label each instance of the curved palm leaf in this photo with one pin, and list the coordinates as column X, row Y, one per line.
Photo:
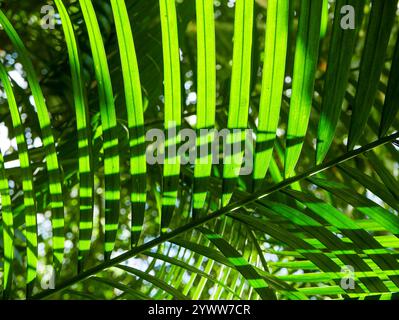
column 290, row 230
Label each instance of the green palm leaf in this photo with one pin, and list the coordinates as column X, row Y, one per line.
column 8, row 231
column 382, row 18
column 135, row 110
column 27, row 184
column 239, row 95
column 84, row 134
column 172, row 116
column 303, row 81
column 108, row 119
column 288, row 70
column 54, row 175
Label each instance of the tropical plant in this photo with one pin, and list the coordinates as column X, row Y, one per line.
column 84, row 216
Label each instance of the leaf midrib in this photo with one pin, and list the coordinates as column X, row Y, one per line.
column 232, row 207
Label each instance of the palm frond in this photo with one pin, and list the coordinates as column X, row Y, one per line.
column 85, row 203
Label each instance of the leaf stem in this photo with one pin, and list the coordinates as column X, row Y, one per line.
column 262, row 193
